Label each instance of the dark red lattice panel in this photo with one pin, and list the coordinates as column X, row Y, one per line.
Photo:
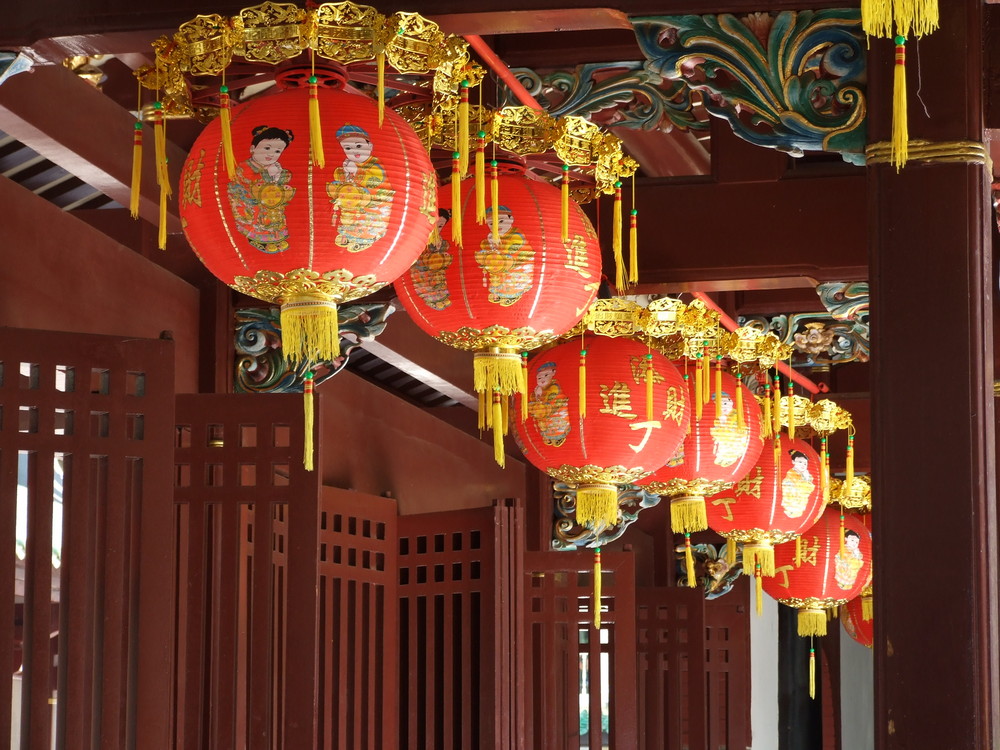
column 247, row 517
column 727, row 669
column 571, row 667
column 86, row 603
column 458, row 572
column 357, row 657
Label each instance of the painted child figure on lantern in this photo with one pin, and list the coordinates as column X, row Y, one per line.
column 850, row 562
column 729, row 442
column 507, row 261
column 549, row 406
column 428, row 273
column 797, row 485
column 259, row 191
column 360, row 193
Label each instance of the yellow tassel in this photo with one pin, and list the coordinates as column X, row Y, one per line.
column 758, row 590
column 524, row 386
column 706, row 381
column 307, row 401
column 481, row 414
column 698, row 406
column 866, row 607
column 692, row 581
column 456, row 201
column 876, row 17
column 495, row 200
column 160, row 147
column 481, row 178
column 310, row 329
column 380, row 86
column 812, row 621
column 812, row 672
column 776, row 407
column 649, row 387
column 730, row 551
column 315, row 126
column 133, row 203
column 824, row 471
column 463, row 130
column 849, row 473
column 843, row 545
column 565, row 203
column 687, row 514
column 161, row 234
column 225, row 122
column 597, row 588
column 798, row 552
column 597, row 505
column 766, row 417
column 616, row 239
column 633, row 247
column 582, row 407
column 760, row 554
column 498, row 431
column 505, row 414
column 741, row 420
column 900, row 129
column 718, row 387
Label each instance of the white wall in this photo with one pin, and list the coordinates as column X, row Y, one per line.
column 857, row 695
column 764, row 676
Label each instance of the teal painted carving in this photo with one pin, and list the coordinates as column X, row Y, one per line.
column 623, row 94
column 715, row 576
column 820, row 339
column 261, row 366
column 569, row 535
column 793, row 81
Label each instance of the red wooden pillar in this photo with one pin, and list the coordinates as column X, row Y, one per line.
column 933, row 422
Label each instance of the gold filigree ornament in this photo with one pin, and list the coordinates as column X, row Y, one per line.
column 613, row 475
column 858, row 499
column 499, row 337
column 750, row 345
column 334, row 286
column 680, row 489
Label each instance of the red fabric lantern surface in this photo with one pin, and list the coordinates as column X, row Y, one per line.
column 504, row 294
column 819, row 573
column 287, row 231
column 860, row 629
column 719, row 450
column 621, row 437
column 776, row 501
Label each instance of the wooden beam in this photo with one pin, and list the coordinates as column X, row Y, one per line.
column 72, row 124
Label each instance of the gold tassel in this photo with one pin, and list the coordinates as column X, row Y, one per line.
column 524, row 386
column 843, row 544
column 812, row 621
column 849, row 473
column 692, row 582
column 380, row 86
column 307, row 401
column 225, row 122
column 565, row 203
column 900, row 130
column 315, row 126
column 597, row 588
column 687, row 514
column 481, row 415
column 812, row 672
column 741, row 420
column 481, row 177
column 776, row 407
column 498, row 431
column 730, row 551
column 718, row 387
column 697, row 391
column 582, row 407
column 505, row 414
column 649, row 387
column 310, row 329
column 633, row 247
column 766, row 417
column 876, row 17
column 133, row 203
column 456, row 201
column 824, row 469
column 798, row 552
column 495, row 200
column 463, row 129
column 616, row 239
column 758, row 590
column 866, row 607
column 706, row 381
column 160, row 146
column 791, row 410
column 759, row 554
column 161, row 233
column 597, row 505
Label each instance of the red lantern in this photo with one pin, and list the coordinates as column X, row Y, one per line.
column 499, row 294
column 860, row 629
column 633, row 417
column 776, row 501
column 287, row 231
column 721, row 448
column 828, row 567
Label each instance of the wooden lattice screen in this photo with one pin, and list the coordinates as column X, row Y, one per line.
column 727, row 669
column 459, row 589
column 568, row 663
column 85, row 430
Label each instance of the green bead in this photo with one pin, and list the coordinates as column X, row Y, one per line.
column 618, row 184
column 223, row 89
column 313, row 80
column 565, row 167
column 138, row 125
column 493, row 163
column 157, row 105
column 481, row 134
column 455, row 155
column 465, row 84
column 634, row 212
column 900, row 40
column 583, row 352
column 649, row 356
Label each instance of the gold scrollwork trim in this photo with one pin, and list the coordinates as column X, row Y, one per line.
column 332, row 286
column 517, row 339
column 812, row 602
column 860, row 498
column 591, row 473
column 965, row 152
column 689, row 487
column 758, row 536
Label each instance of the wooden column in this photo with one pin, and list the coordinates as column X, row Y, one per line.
column 933, row 421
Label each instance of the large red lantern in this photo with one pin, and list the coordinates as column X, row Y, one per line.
column 860, row 629
column 827, row 567
column 634, row 415
column 287, row 231
column 722, row 446
column 776, row 501
column 499, row 293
